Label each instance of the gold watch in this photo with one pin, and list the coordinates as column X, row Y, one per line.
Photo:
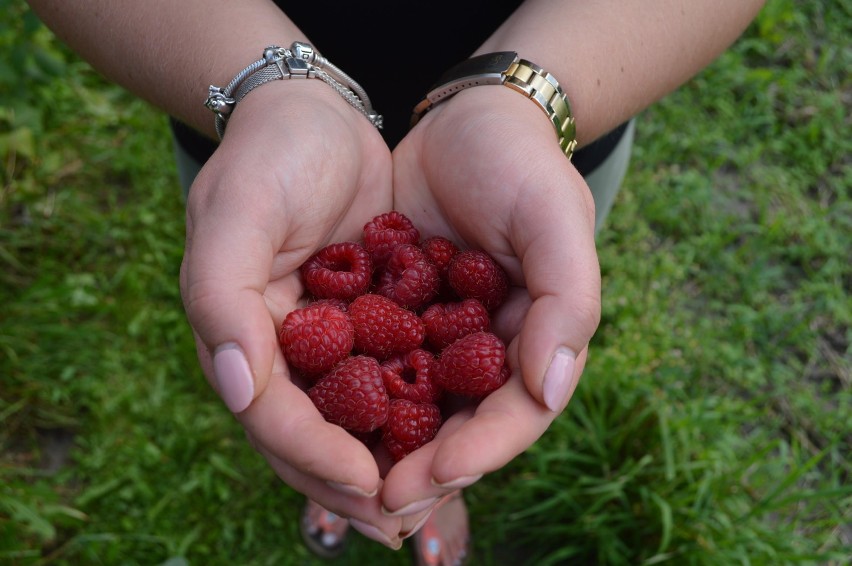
column 506, row 68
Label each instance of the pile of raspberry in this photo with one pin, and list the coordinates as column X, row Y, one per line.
column 393, row 325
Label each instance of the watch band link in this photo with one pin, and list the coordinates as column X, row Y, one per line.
column 543, row 89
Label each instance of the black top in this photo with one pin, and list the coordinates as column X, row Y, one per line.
column 372, row 41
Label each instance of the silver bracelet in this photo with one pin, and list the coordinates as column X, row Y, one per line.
column 300, row 61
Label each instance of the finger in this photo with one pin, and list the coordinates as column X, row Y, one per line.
column 409, row 488
column 224, row 274
column 555, row 242
column 508, row 320
column 505, row 424
column 470, row 444
column 285, row 424
column 364, row 513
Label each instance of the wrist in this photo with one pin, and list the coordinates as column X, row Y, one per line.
column 506, row 68
column 294, row 109
column 298, row 62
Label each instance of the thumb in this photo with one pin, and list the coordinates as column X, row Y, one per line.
column 562, row 275
column 224, row 274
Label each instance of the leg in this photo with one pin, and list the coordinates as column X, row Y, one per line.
column 323, row 531
column 443, row 540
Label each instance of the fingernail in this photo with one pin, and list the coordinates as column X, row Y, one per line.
column 233, row 377
column 411, row 508
column 458, row 483
column 351, row 489
column 559, row 379
column 375, row 534
column 417, row 526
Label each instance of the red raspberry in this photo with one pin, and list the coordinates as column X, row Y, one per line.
column 339, row 303
column 339, row 271
column 316, row 337
column 447, row 322
column 353, row 395
column 382, row 327
column 473, row 366
column 385, row 231
column 409, row 376
column 439, row 250
column 408, row 279
column 409, row 426
column 474, row 274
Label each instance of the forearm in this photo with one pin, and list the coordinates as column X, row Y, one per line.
column 613, row 58
column 169, row 52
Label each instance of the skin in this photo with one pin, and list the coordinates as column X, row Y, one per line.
column 263, row 204
column 465, row 159
column 241, row 298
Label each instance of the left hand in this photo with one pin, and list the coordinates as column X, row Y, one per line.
column 484, row 169
column 272, row 194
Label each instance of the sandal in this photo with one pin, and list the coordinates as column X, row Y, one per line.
column 323, row 531
column 430, row 547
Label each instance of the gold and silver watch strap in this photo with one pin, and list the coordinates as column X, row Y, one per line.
column 506, row 68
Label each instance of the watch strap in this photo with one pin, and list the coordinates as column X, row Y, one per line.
column 487, row 69
column 542, row 88
column 525, row 77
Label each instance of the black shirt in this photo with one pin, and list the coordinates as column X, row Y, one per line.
column 397, row 51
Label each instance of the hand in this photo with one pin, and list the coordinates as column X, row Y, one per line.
column 297, row 169
column 485, row 170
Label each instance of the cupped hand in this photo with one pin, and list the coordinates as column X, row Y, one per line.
column 484, row 169
column 297, row 169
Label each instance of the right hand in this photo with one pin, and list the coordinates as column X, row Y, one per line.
column 484, row 170
column 297, row 169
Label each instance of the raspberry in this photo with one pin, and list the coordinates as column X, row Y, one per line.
column 382, row 327
column 447, row 322
column 316, row 337
column 409, row 426
column 439, row 250
column 338, row 271
column 339, row 303
column 385, row 231
column 474, row 365
column 358, row 347
column 409, row 376
column 353, row 395
column 409, row 279
column 474, row 274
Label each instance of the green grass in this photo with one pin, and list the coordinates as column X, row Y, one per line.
column 713, row 422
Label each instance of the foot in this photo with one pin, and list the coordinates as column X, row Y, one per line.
column 443, row 540
column 323, row 531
